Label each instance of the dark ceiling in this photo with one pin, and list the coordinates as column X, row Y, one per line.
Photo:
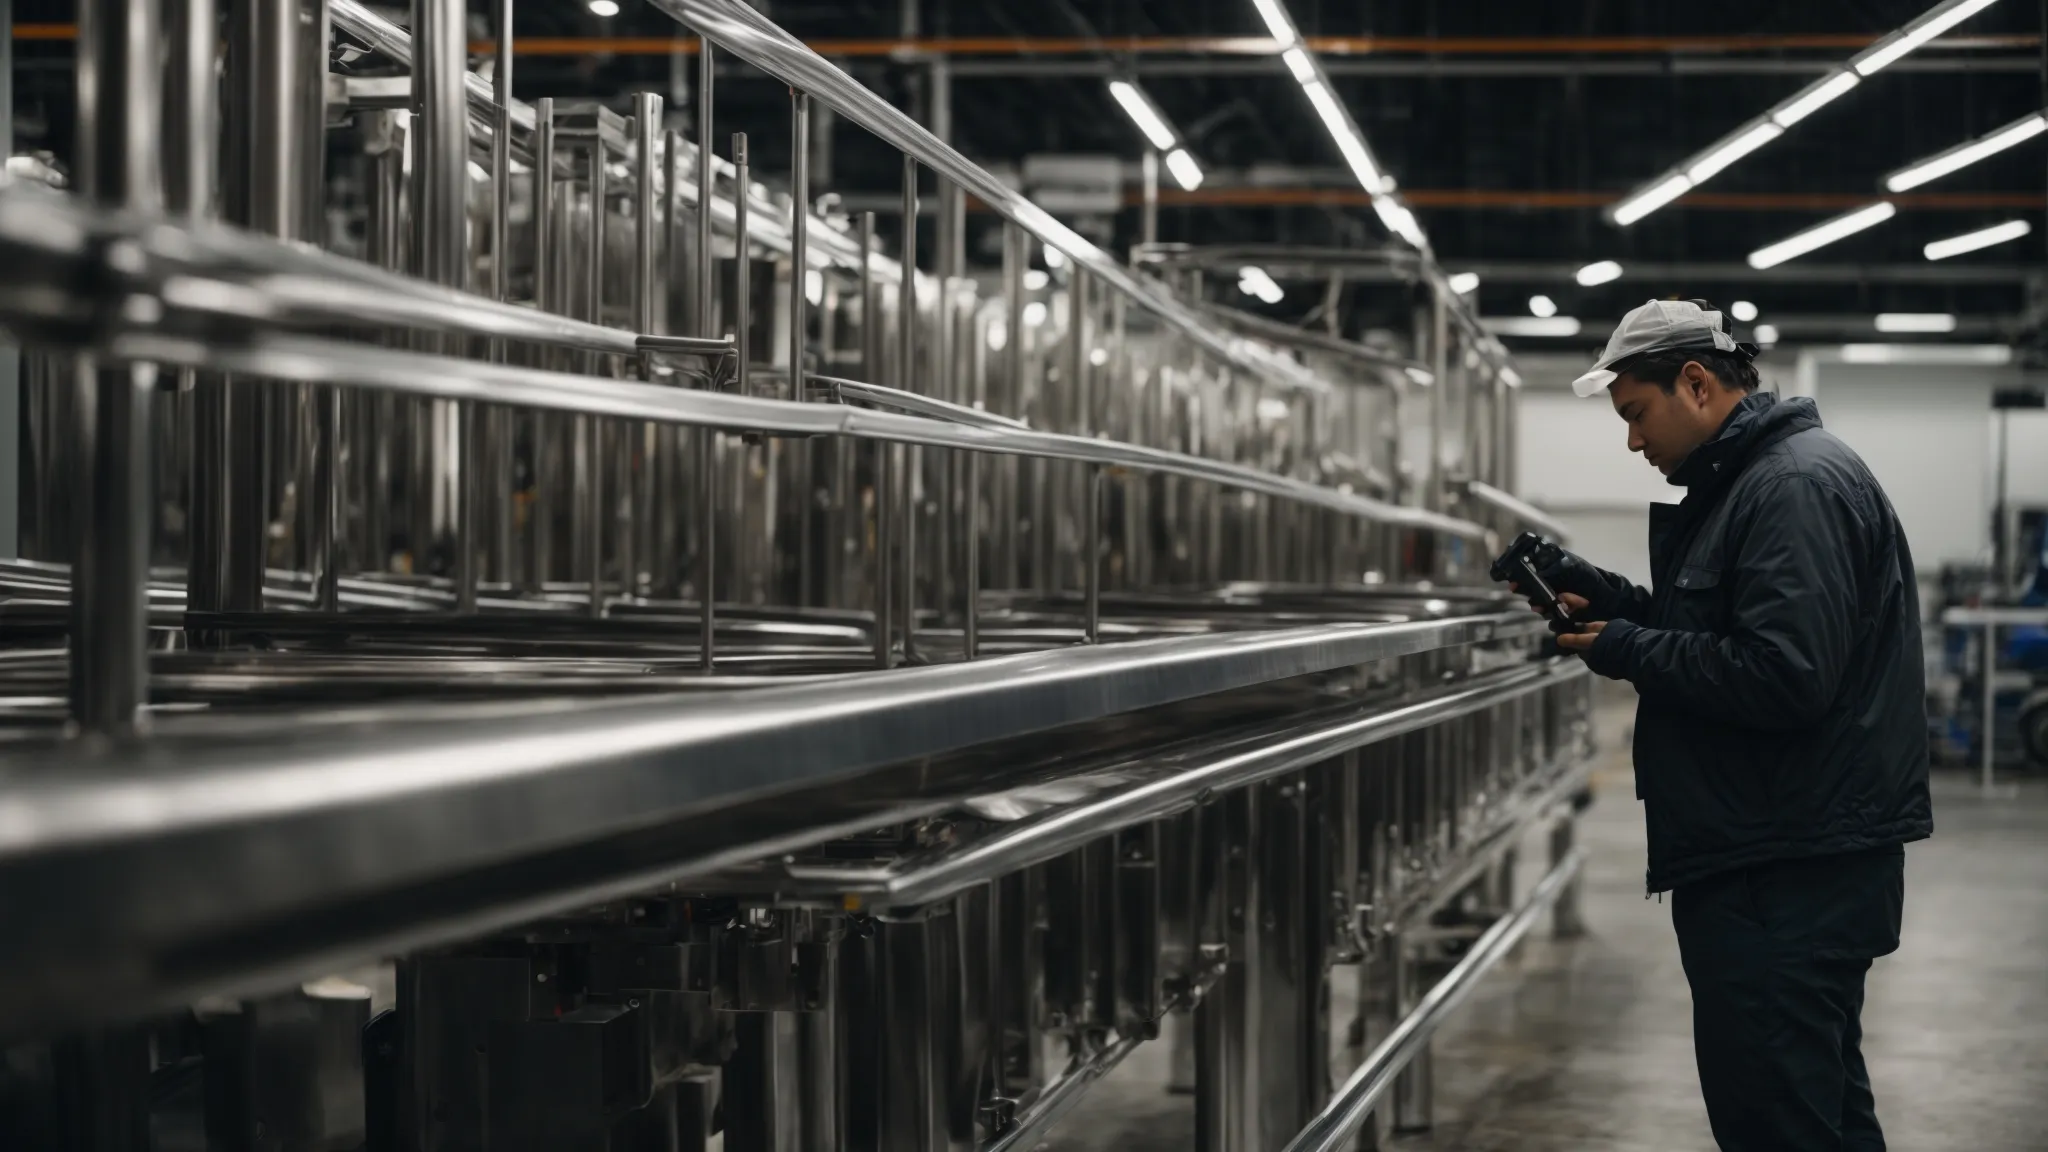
column 1508, row 132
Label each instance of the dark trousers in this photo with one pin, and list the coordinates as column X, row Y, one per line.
column 1776, row 954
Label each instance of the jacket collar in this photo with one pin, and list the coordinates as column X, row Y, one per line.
column 1760, row 420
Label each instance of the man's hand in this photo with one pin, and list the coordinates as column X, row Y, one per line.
column 1582, row 640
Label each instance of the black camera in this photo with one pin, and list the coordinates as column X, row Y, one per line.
column 1522, row 565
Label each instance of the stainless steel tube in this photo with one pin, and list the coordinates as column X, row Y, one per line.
column 647, row 129
column 672, row 235
column 742, row 269
column 1148, row 225
column 498, row 422
column 799, row 233
column 706, row 268
column 906, row 379
column 441, row 135
column 592, row 507
column 119, row 86
column 324, row 551
column 440, row 223
column 544, row 205
column 190, row 129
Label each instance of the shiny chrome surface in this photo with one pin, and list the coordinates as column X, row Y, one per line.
column 601, row 585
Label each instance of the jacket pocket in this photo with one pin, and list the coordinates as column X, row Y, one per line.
column 1695, row 602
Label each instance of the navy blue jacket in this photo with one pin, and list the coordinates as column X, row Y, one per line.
column 1782, row 697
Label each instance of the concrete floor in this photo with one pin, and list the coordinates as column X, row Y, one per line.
column 1586, row 1044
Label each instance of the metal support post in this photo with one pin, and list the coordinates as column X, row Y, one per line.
column 1149, row 223
column 190, row 129
column 440, row 221
column 906, row 379
column 799, row 234
column 707, row 438
column 119, row 86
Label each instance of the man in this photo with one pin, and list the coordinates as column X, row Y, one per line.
column 1780, row 739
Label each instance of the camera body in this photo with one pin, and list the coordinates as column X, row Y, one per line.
column 1523, row 564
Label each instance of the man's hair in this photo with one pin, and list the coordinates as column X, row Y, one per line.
column 1732, row 369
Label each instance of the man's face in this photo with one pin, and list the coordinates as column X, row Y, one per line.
column 1666, row 426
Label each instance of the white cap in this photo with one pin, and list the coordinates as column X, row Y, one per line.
column 1657, row 326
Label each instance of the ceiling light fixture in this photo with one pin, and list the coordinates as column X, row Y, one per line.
column 1550, row 326
column 1815, row 97
column 1035, row 279
column 1981, row 238
column 1726, row 154
column 1930, row 24
column 1277, row 21
column 1743, row 311
column 1766, row 335
column 1599, row 272
column 1649, row 200
column 1963, row 155
column 1542, row 306
column 1696, row 169
column 1464, row 283
column 1921, row 322
column 1823, row 234
column 1143, row 114
column 1253, row 281
column 606, row 8
column 1947, row 355
column 1315, row 84
column 1184, row 170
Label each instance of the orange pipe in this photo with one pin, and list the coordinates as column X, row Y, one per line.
column 1204, row 45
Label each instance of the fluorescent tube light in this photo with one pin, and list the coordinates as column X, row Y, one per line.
column 1823, row 234
column 1815, row 97
column 1298, row 63
column 1464, row 282
column 1743, row 311
column 1599, row 272
column 1542, row 306
column 1982, row 238
column 1932, row 23
column 1142, row 113
column 1253, row 281
column 1947, row 355
column 1645, row 202
column 1186, row 172
column 1339, row 126
column 1732, row 151
column 1895, row 322
column 1531, row 325
column 1399, row 220
column 1277, row 22
column 1645, row 199
column 1964, row 155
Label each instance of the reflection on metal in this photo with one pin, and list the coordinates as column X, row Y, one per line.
column 701, row 646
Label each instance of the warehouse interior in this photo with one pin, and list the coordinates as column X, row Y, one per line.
column 934, row 575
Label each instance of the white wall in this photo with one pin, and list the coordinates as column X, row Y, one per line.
column 1928, row 435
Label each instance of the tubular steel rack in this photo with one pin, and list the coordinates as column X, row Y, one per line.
column 609, row 656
